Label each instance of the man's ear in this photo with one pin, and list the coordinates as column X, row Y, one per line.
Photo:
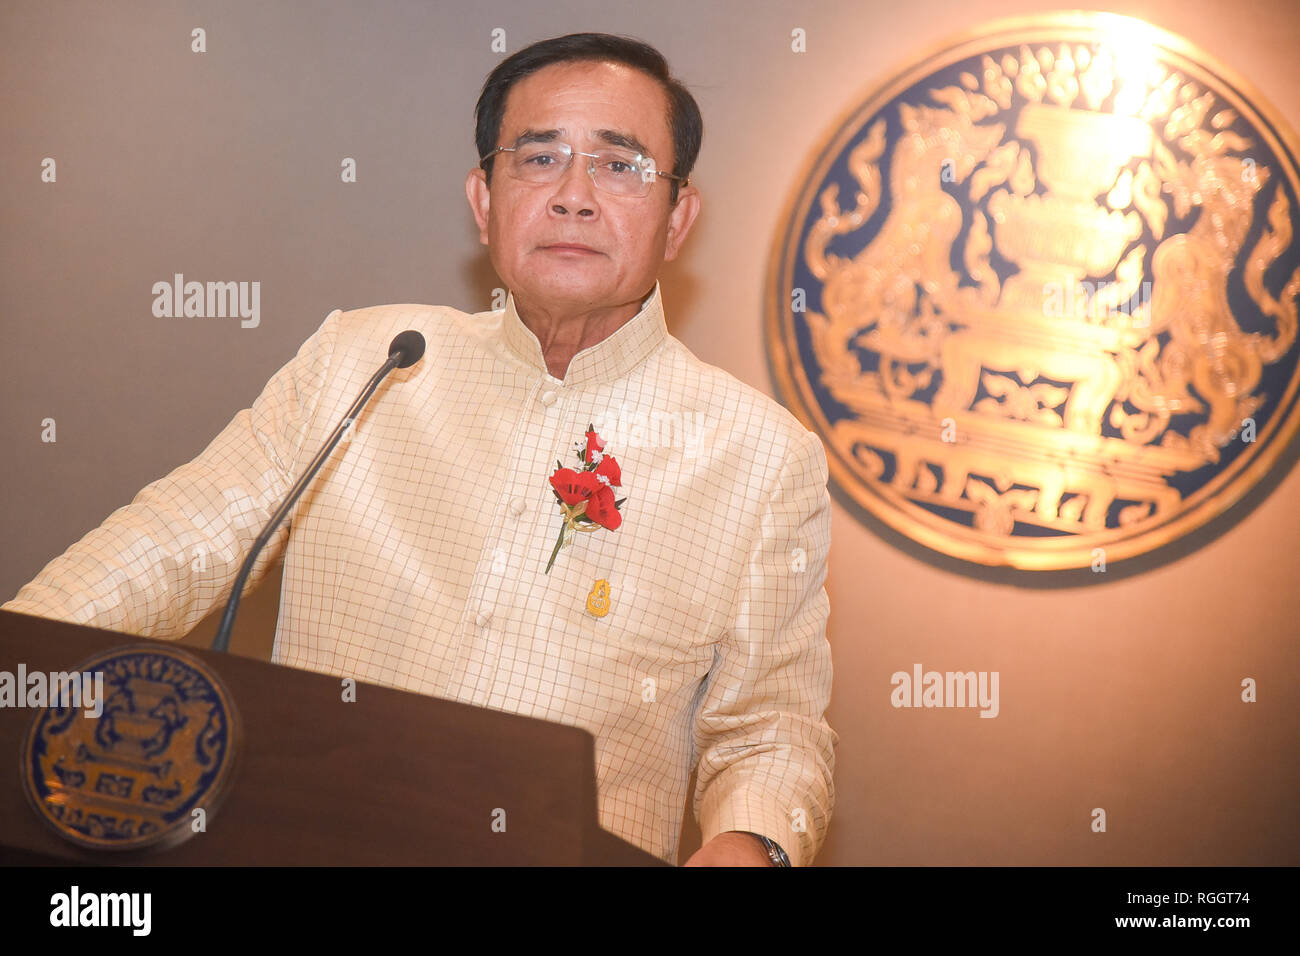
column 480, row 198
column 681, row 219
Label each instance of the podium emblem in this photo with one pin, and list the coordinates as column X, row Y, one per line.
column 132, row 777
column 1037, row 293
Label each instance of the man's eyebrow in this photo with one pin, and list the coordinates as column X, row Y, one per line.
column 537, row 136
column 611, row 137
column 626, row 140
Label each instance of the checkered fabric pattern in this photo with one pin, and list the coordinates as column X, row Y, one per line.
column 416, row 559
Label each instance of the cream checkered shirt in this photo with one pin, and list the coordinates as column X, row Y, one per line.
column 416, row 558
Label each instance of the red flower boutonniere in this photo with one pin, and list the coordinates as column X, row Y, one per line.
column 586, row 495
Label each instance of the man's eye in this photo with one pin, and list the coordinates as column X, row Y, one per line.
column 539, row 159
column 621, row 167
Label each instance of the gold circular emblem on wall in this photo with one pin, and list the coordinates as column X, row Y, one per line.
column 1037, row 293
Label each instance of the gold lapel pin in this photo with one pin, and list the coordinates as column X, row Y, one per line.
column 598, row 598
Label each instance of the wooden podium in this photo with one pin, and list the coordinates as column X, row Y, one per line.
column 393, row 778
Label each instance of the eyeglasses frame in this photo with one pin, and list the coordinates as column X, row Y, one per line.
column 591, row 167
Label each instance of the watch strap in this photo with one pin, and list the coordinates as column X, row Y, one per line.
column 774, row 852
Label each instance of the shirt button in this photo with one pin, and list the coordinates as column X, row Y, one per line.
column 518, row 506
column 482, row 618
column 549, row 397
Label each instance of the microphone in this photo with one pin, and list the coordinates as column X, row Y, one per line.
column 404, row 351
column 411, row 344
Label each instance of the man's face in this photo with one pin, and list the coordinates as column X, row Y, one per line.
column 568, row 247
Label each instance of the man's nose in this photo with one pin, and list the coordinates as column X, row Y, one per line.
column 575, row 192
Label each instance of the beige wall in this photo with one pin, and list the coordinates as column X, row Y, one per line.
column 1122, row 693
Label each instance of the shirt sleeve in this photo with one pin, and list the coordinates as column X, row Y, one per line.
column 158, row 566
column 766, row 751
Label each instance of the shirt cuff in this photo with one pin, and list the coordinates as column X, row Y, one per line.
column 735, row 804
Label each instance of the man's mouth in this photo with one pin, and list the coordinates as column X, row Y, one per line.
column 575, row 247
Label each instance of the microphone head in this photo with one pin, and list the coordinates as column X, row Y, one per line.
column 411, row 344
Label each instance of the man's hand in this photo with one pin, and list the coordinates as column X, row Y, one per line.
column 731, row 849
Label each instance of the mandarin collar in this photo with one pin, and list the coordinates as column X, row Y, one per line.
column 609, row 359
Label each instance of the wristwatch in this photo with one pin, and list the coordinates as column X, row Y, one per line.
column 774, row 851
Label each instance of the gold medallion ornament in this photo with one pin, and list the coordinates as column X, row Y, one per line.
column 598, row 598
column 1037, row 293
column 150, row 767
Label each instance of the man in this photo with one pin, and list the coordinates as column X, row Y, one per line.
column 686, row 631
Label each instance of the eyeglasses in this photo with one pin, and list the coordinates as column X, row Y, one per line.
column 620, row 172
